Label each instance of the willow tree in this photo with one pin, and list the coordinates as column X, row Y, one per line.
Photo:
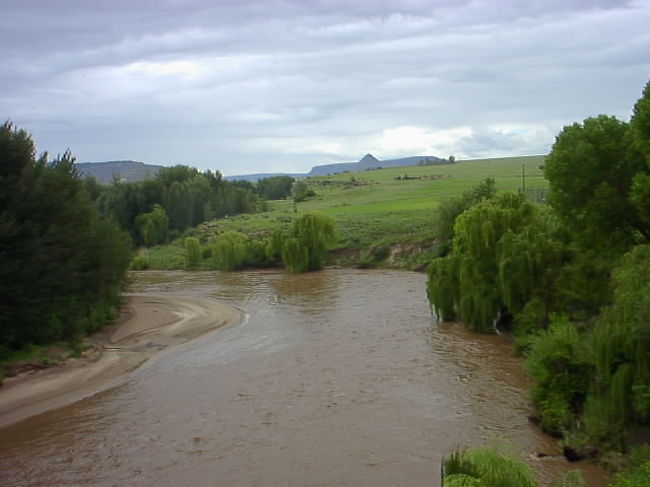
column 192, row 251
column 529, row 261
column 153, row 226
column 621, row 344
column 230, row 250
column 469, row 277
column 305, row 249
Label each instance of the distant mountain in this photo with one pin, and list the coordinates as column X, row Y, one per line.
column 365, row 163
column 371, row 162
column 105, row 172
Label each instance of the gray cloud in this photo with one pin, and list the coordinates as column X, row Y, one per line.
column 245, row 86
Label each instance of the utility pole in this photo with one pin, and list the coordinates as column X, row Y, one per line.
column 523, row 179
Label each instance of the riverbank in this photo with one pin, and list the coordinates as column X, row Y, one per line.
column 148, row 325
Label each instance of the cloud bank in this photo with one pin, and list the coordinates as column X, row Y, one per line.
column 256, row 86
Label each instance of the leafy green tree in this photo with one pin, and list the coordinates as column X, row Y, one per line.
column 61, row 268
column 153, row 226
column 640, row 129
column 192, row 251
column 559, row 365
column 449, row 210
column 176, row 174
column 230, row 251
column 275, row 188
column 469, row 277
column 590, row 177
column 306, row 247
column 620, row 344
column 187, row 196
column 301, row 192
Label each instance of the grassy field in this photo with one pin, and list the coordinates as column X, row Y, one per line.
column 386, row 207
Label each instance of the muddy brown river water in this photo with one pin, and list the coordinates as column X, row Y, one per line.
column 335, row 378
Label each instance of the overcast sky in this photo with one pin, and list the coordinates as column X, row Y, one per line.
column 246, row 86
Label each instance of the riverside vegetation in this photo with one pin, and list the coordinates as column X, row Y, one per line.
column 571, row 282
column 551, row 250
column 62, row 267
column 384, row 217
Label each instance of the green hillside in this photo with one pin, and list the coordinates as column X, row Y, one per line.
column 384, row 207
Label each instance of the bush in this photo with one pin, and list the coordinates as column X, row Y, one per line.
column 561, row 371
column 229, row 252
column 192, row 252
column 486, row 466
column 306, row 247
column 140, row 262
column 638, row 477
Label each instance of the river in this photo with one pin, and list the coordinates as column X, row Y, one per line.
column 335, row 378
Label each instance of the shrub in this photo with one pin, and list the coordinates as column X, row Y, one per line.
column 557, row 364
column 140, row 262
column 306, row 248
column 638, row 477
column 486, row 466
column 229, row 252
column 192, row 252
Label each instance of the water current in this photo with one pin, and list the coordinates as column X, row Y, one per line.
column 334, row 378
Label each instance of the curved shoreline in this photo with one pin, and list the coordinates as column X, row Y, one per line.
column 149, row 324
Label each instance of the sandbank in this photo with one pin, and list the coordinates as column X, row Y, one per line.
column 148, row 325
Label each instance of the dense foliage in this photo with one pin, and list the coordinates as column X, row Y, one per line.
column 275, row 187
column 571, row 280
column 178, row 198
column 61, row 267
column 305, row 249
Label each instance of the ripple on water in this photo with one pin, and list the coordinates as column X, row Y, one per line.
column 339, row 377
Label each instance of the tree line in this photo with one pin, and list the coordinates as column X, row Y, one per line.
column 156, row 210
column 160, row 209
column 570, row 280
column 66, row 242
column 62, row 266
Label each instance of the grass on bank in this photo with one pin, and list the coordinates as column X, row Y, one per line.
column 377, row 209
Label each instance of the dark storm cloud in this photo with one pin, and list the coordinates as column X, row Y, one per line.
column 265, row 85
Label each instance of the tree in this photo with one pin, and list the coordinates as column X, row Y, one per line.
column 450, row 209
column 620, row 344
column 192, row 251
column 468, row 278
column 306, row 247
column 301, row 192
column 230, row 250
column 590, row 175
column 61, row 268
column 275, row 188
column 153, row 226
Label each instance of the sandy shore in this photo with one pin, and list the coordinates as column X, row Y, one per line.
column 148, row 325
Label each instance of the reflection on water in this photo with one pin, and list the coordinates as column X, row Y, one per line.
column 337, row 378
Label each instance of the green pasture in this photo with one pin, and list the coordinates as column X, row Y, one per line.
column 384, row 206
column 375, row 206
